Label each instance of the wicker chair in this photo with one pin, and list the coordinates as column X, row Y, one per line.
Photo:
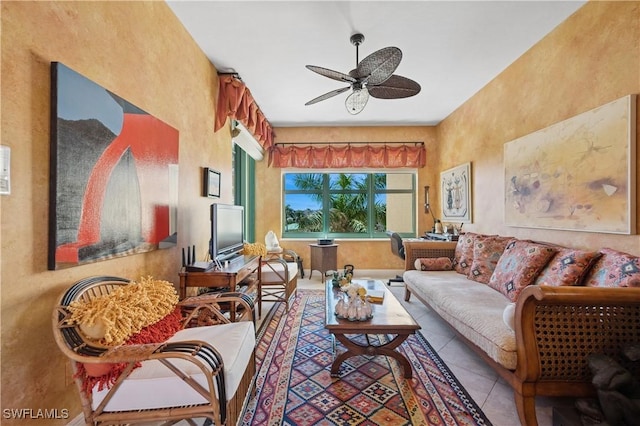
column 203, row 371
column 279, row 277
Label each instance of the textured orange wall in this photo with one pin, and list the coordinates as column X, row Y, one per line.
column 140, row 51
column 364, row 255
column 589, row 60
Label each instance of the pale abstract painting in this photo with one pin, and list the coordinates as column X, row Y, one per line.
column 578, row 174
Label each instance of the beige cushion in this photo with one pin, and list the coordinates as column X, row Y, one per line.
column 472, row 308
column 155, row 386
column 274, row 271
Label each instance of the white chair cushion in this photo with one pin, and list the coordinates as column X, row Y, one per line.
column 154, row 386
column 270, row 273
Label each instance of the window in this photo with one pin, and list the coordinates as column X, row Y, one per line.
column 244, row 188
column 348, row 205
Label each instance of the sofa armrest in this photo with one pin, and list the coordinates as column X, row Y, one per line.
column 558, row 327
column 422, row 249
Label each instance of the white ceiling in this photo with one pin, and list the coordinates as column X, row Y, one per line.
column 451, row 48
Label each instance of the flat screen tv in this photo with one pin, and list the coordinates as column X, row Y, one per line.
column 227, row 231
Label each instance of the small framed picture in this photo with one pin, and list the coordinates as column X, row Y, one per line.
column 211, row 183
column 455, row 187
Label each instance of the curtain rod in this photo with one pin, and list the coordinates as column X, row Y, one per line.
column 350, row 143
column 234, row 74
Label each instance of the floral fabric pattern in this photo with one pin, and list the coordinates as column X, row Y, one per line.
column 614, row 269
column 486, row 253
column 463, row 257
column 568, row 267
column 518, row 267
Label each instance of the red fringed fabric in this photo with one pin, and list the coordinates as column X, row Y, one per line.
column 235, row 101
column 154, row 333
column 347, row 156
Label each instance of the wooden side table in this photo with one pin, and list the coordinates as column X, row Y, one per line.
column 323, row 258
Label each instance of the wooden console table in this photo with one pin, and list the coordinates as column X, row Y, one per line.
column 324, row 257
column 230, row 276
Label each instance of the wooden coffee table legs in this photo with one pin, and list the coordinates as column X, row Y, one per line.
column 354, row 348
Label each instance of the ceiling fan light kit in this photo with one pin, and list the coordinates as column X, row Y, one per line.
column 373, row 76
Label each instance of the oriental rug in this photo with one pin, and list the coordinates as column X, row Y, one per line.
column 293, row 384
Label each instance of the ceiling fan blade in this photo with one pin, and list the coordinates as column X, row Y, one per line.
column 380, row 65
column 395, row 87
column 328, row 95
column 336, row 75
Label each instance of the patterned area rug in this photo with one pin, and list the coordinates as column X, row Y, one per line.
column 294, row 386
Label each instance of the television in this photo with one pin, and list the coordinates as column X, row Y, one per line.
column 227, row 231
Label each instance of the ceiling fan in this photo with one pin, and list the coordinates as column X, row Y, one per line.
column 372, row 76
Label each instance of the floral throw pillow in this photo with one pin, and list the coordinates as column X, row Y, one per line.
column 519, row 265
column 486, row 253
column 433, row 264
column 463, row 257
column 614, row 269
column 567, row 267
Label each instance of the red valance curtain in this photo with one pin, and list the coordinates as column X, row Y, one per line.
column 235, row 101
column 347, row 156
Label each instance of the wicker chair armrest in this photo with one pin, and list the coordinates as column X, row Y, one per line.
column 275, row 260
column 558, row 327
column 290, row 255
column 283, row 274
column 127, row 353
column 200, row 353
column 210, row 304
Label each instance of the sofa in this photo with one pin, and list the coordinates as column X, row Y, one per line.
column 533, row 311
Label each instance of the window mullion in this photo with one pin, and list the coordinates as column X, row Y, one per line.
column 326, row 204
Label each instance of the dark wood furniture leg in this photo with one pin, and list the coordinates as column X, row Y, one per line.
column 387, row 349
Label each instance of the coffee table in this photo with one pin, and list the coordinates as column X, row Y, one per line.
column 389, row 317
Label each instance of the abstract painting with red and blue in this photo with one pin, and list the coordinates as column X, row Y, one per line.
column 113, row 176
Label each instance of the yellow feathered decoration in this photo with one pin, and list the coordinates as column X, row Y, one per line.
column 126, row 310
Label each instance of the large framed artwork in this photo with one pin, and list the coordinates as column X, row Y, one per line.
column 455, row 187
column 113, row 175
column 579, row 174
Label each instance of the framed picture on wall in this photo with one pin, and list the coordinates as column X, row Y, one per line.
column 455, row 187
column 576, row 175
column 211, row 183
column 113, row 175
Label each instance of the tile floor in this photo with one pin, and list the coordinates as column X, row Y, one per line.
column 490, row 392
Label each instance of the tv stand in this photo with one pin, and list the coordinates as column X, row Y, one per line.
column 244, row 269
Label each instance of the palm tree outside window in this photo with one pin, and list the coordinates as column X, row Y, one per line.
column 348, row 204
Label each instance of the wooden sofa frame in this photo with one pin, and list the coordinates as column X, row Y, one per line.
column 556, row 329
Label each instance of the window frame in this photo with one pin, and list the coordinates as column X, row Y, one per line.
column 371, row 234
